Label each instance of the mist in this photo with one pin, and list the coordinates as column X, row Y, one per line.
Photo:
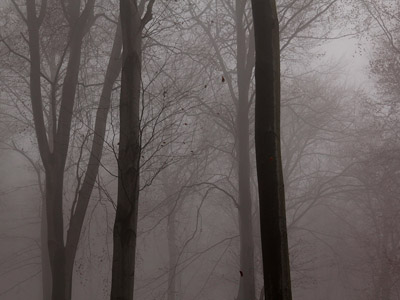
column 194, row 150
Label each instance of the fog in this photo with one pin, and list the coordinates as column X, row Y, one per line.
column 128, row 139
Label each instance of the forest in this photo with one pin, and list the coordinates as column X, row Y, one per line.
column 200, row 149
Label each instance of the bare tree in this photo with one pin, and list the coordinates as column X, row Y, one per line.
column 235, row 61
column 275, row 251
column 125, row 226
column 53, row 118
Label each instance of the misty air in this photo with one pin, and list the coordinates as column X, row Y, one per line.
column 199, row 149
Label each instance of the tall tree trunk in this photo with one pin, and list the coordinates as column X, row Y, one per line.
column 268, row 152
column 245, row 65
column 384, row 279
column 96, row 152
column 173, row 253
column 244, row 68
column 55, row 228
column 247, row 282
column 125, row 226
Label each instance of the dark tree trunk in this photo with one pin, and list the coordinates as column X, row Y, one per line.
column 125, row 227
column 268, row 153
column 55, row 232
column 44, row 252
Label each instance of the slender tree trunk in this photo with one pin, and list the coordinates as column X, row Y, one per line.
column 245, row 65
column 247, row 281
column 384, row 281
column 268, row 153
column 62, row 276
column 173, row 253
column 96, row 152
column 125, row 227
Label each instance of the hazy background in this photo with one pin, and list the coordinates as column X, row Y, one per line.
column 340, row 150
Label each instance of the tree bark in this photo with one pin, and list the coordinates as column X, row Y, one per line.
column 244, row 71
column 54, row 194
column 268, row 153
column 125, row 226
column 44, row 253
column 247, row 282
